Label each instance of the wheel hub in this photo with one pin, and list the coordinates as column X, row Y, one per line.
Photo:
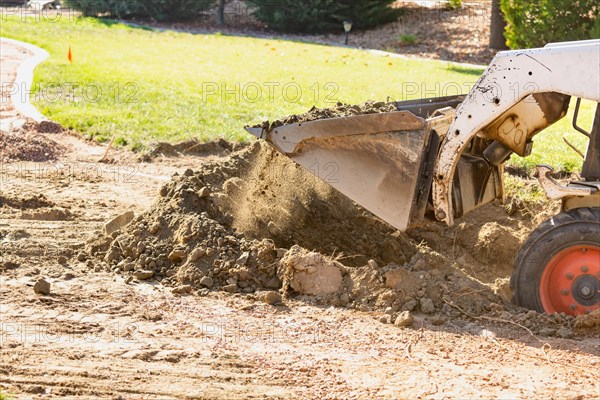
column 570, row 282
column 586, row 290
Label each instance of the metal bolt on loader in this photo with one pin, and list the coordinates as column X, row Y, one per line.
column 438, row 159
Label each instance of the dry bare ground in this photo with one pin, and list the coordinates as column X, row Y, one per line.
column 96, row 336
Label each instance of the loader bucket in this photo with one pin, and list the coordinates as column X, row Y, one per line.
column 377, row 160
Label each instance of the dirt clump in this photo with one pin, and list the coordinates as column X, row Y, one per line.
column 42, row 287
column 311, row 273
column 339, row 110
column 495, row 242
column 589, row 321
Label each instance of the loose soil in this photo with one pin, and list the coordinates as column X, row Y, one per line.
column 242, row 276
column 229, row 224
column 339, row 110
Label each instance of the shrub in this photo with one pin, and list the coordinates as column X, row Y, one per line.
column 407, row 39
column 534, row 23
column 595, row 32
column 160, row 10
column 163, row 10
column 297, row 16
column 454, row 4
column 368, row 13
column 105, row 8
column 322, row 15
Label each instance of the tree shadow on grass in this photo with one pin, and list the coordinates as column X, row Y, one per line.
column 465, row 70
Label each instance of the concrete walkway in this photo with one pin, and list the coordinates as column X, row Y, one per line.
column 17, row 62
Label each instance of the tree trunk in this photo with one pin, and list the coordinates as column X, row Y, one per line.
column 497, row 39
column 221, row 12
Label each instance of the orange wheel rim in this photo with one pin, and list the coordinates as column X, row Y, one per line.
column 571, row 281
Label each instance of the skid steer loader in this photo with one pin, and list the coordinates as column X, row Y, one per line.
column 440, row 158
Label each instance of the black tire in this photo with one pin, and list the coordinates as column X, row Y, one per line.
column 575, row 227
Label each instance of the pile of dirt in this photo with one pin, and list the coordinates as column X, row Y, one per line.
column 24, row 203
column 193, row 147
column 339, row 110
column 235, row 215
column 44, row 127
column 258, row 222
column 29, row 144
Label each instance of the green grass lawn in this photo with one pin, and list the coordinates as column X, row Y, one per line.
column 145, row 86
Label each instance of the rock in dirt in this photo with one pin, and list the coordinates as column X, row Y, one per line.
column 42, row 287
column 206, row 281
column 183, row 289
column 273, row 228
column 196, row 254
column 204, row 192
column 273, row 283
column 565, row 333
column 118, row 222
column 409, row 305
column 243, row 259
column 405, row 318
column 427, row 306
column 143, row 274
column 270, row 297
column 344, row 299
column 394, row 278
column 67, row 276
column 311, row 273
column 231, row 288
column 176, row 256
